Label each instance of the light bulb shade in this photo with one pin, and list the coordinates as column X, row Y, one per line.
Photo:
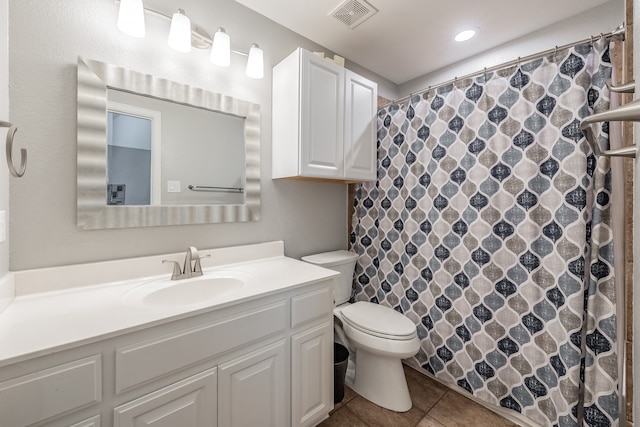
column 131, row 18
column 255, row 62
column 221, row 49
column 180, row 32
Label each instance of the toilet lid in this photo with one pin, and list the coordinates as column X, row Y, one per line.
column 379, row 321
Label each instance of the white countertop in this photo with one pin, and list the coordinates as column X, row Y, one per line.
column 40, row 323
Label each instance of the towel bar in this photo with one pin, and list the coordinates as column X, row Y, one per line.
column 9, row 150
column 624, row 113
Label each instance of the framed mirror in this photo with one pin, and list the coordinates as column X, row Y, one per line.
column 154, row 152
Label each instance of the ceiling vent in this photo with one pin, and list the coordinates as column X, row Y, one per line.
column 353, row 12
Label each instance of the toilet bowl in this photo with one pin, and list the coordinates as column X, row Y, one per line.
column 379, row 336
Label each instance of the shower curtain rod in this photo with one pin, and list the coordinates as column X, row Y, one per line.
column 617, row 33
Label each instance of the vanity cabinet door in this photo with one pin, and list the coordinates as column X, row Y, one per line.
column 187, row 403
column 252, row 389
column 360, row 128
column 312, row 375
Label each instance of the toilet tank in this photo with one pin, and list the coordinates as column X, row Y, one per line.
column 343, row 262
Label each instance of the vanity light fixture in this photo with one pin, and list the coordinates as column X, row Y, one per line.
column 180, row 32
column 465, row 35
column 221, row 48
column 255, row 63
column 183, row 35
column 131, row 18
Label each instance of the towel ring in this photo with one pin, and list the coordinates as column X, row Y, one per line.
column 9, row 150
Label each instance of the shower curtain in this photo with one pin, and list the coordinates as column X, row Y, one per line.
column 489, row 227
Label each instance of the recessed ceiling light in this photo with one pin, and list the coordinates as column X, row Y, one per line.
column 465, row 35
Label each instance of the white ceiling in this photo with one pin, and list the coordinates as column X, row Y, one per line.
column 417, row 33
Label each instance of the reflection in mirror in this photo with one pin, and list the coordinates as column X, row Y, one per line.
column 155, row 152
column 202, row 160
column 132, row 149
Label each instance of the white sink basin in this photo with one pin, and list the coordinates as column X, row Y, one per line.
column 194, row 291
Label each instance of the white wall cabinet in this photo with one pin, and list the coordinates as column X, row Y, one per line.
column 324, row 120
column 232, row 367
column 360, row 129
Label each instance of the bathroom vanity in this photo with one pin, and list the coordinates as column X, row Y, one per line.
column 116, row 353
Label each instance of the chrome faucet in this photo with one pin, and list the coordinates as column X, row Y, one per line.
column 191, row 268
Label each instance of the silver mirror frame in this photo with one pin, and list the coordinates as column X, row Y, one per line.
column 94, row 78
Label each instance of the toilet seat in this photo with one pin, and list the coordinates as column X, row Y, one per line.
column 379, row 321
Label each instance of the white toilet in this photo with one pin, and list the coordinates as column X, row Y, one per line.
column 379, row 336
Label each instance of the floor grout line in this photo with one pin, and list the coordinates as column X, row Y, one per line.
column 344, row 413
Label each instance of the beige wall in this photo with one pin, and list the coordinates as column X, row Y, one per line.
column 4, row 116
column 46, row 39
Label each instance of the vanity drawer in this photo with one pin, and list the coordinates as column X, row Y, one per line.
column 149, row 360
column 311, row 306
column 51, row 392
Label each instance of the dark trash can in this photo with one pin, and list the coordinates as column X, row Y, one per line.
column 340, row 361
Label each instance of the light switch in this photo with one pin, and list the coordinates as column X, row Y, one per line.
column 173, row 186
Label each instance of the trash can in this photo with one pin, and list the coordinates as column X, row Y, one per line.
column 340, row 361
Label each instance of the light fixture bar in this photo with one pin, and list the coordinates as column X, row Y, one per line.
column 201, row 39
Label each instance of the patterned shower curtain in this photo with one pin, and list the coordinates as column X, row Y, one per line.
column 488, row 226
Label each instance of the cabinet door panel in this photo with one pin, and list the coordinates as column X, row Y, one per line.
column 252, row 389
column 361, row 97
column 311, row 377
column 187, row 403
column 322, row 118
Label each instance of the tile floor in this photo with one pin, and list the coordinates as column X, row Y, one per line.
column 434, row 405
